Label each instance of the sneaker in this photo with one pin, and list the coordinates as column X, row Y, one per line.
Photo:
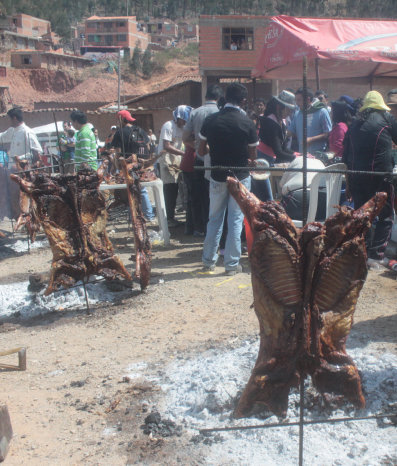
column 208, row 268
column 198, row 233
column 221, row 252
column 232, row 272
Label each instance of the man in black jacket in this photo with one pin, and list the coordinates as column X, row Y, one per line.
column 368, row 147
column 232, row 139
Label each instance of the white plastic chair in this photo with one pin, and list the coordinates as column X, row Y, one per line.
column 333, row 185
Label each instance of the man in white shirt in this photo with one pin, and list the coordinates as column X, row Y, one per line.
column 23, row 141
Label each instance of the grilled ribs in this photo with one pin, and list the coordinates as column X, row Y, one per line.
column 306, row 283
column 72, row 213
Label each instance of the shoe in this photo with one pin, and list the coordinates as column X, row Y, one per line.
column 208, row 268
column 232, row 272
column 377, row 263
column 221, row 252
column 198, row 233
column 151, row 221
column 172, row 222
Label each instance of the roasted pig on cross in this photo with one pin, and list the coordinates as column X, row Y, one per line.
column 305, row 283
column 141, row 238
column 73, row 215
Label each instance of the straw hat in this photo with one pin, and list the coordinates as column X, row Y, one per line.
column 261, row 175
column 374, row 99
column 286, row 98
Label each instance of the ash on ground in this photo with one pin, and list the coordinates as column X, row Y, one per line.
column 201, row 392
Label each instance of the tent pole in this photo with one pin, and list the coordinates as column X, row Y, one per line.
column 317, row 61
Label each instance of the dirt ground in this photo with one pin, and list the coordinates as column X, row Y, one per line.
column 75, row 389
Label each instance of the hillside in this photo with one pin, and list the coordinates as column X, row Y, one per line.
column 29, row 86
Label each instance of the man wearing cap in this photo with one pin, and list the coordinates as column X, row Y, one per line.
column 132, row 139
column 368, row 147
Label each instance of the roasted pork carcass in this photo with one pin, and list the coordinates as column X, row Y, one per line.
column 306, row 285
column 141, row 237
column 73, row 215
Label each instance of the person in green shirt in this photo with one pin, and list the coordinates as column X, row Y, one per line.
column 85, row 148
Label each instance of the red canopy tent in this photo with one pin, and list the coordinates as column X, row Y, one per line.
column 335, row 48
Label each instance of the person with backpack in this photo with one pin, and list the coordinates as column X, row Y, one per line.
column 132, row 139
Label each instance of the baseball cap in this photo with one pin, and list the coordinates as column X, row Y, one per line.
column 126, row 115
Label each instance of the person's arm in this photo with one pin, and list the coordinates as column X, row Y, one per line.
column 326, row 127
column 203, row 148
column 252, row 142
column 168, row 147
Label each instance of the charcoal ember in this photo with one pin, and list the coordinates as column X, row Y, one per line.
column 306, row 284
column 159, row 427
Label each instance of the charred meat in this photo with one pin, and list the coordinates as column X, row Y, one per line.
column 306, row 283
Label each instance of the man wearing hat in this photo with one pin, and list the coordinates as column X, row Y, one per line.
column 132, row 139
column 368, row 147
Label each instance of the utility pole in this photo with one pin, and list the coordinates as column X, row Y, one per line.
column 119, row 79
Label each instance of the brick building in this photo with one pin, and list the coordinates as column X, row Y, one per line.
column 114, row 31
column 188, row 30
column 22, row 31
column 34, row 59
column 229, row 48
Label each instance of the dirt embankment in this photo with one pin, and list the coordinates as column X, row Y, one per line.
column 51, row 81
column 93, row 85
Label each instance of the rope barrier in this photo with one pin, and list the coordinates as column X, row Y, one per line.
column 288, row 169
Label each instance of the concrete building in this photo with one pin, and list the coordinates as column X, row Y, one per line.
column 20, row 32
column 188, row 31
column 34, row 59
column 229, row 48
column 166, row 28
column 114, row 31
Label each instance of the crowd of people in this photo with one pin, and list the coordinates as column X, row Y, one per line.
column 224, row 132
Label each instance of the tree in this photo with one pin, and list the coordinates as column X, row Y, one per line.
column 147, row 65
column 136, row 60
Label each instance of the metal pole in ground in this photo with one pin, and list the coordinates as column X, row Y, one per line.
column 119, row 79
column 86, row 295
column 301, row 417
column 304, row 143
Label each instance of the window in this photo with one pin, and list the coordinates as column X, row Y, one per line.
column 168, row 27
column 108, row 25
column 238, row 39
column 121, row 24
column 190, row 28
column 26, row 59
column 109, row 40
column 121, row 38
column 91, row 38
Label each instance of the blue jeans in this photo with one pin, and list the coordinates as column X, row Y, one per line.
column 220, row 199
column 146, row 205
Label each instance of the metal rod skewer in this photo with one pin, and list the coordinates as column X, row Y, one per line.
column 301, row 417
column 86, row 295
column 296, row 423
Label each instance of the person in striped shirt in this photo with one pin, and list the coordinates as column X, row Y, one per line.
column 85, row 149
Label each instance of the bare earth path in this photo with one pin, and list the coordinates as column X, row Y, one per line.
column 75, row 389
